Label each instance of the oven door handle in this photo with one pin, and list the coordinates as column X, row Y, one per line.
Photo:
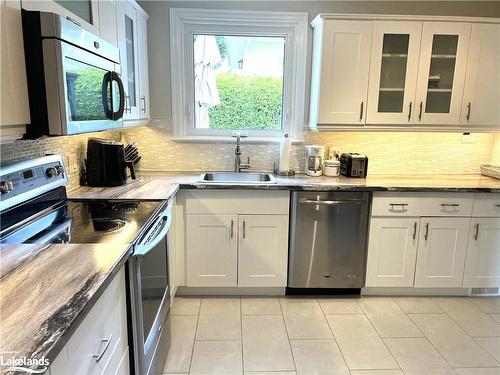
column 144, row 248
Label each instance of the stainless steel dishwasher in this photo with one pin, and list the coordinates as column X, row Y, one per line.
column 328, row 239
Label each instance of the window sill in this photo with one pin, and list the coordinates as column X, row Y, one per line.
column 214, row 139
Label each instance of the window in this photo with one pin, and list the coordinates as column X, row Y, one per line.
column 237, row 72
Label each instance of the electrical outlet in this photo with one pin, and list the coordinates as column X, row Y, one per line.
column 468, row 138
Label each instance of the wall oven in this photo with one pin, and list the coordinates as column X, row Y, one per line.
column 74, row 82
column 150, row 295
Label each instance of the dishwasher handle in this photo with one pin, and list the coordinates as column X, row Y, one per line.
column 331, row 202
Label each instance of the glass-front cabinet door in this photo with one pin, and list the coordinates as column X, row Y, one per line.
column 443, row 61
column 393, row 72
column 129, row 55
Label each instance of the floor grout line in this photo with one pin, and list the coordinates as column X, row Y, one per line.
column 334, row 338
column 287, row 334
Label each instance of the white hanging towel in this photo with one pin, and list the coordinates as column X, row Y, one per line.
column 206, row 55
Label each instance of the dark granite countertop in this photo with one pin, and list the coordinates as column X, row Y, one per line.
column 165, row 184
column 46, row 291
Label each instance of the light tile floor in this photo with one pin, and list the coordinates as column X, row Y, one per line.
column 338, row 336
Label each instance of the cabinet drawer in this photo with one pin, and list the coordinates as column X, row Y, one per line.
column 422, row 204
column 486, row 205
column 237, row 202
column 106, row 319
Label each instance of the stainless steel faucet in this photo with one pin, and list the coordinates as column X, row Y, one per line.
column 238, row 165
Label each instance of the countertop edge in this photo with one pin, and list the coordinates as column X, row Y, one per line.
column 62, row 340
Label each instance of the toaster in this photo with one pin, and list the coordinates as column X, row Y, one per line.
column 353, row 165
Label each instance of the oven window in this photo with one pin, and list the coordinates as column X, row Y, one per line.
column 85, row 91
column 154, row 283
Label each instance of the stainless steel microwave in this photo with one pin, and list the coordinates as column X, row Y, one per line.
column 74, row 82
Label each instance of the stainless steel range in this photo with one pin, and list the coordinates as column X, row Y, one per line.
column 34, row 209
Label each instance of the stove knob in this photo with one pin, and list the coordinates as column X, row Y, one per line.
column 6, row 187
column 51, row 172
column 60, row 169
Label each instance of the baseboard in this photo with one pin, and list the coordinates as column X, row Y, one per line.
column 373, row 291
column 229, row 291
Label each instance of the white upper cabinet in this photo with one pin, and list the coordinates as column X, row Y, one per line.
column 14, row 108
column 142, row 30
column 481, row 99
column 393, row 71
column 107, row 21
column 132, row 42
column 441, row 75
column 84, row 12
column 129, row 58
column 340, row 72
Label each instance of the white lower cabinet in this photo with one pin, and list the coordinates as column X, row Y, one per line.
column 392, row 251
column 262, row 255
column 441, row 252
column 236, row 238
column 482, row 266
column 100, row 343
column 212, row 250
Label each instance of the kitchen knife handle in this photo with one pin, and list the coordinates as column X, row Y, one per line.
column 130, row 165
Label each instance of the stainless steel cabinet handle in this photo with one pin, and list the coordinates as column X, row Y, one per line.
column 409, row 112
column 143, row 100
column 361, row 111
column 426, row 235
column 420, row 111
column 402, row 205
column 468, row 112
column 232, row 228
column 244, row 229
column 414, row 230
column 450, row 205
column 497, row 205
column 99, row 356
column 476, row 234
column 331, row 202
column 128, row 108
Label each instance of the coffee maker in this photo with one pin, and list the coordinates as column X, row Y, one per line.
column 314, row 160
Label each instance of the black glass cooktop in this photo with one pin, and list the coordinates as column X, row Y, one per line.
column 87, row 222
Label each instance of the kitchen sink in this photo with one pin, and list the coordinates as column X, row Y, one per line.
column 237, row 178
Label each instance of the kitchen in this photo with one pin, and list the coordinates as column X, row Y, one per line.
column 234, row 187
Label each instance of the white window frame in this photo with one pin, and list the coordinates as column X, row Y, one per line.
column 184, row 23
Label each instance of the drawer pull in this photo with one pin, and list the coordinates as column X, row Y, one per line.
column 99, row 356
column 497, row 205
column 232, row 228
column 426, row 235
column 244, row 229
column 414, row 230
column 401, row 205
column 476, row 234
column 444, row 205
